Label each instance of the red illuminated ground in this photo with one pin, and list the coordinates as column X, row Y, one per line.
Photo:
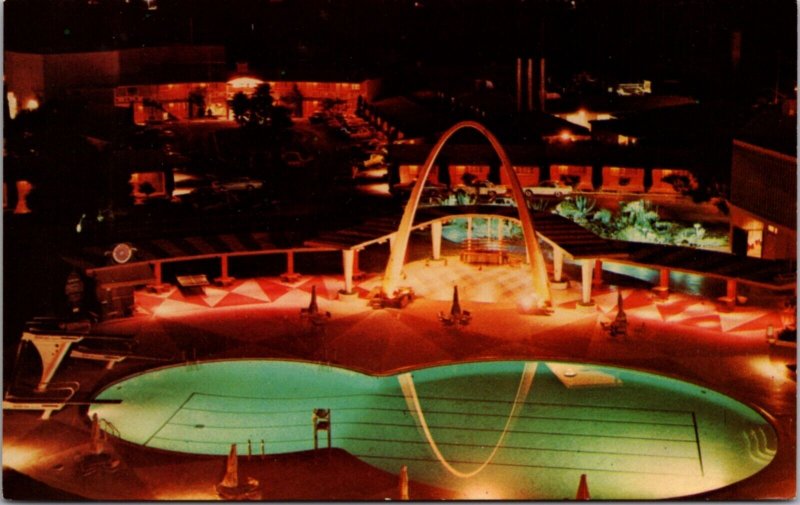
column 684, row 336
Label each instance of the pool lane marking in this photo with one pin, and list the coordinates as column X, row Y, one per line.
column 454, row 428
column 520, row 465
column 528, row 432
column 409, row 391
column 697, row 439
column 169, row 419
column 521, row 448
column 447, row 412
column 449, row 398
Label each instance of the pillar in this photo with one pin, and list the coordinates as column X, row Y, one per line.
column 488, row 228
column 290, row 275
column 558, row 263
column 469, row 228
column 391, row 241
column 357, row 274
column 499, row 230
column 348, row 262
column 436, row 239
column 662, row 290
column 223, row 279
column 157, row 272
column 731, row 290
column 530, row 84
column 598, row 273
column 586, row 281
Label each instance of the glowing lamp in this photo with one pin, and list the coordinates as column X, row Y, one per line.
column 771, row 334
column 565, row 136
column 32, row 104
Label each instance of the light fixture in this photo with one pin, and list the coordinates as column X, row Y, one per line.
column 122, row 253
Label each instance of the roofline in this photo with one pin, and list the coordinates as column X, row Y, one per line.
column 764, row 150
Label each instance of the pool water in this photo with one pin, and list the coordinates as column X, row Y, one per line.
column 493, row 430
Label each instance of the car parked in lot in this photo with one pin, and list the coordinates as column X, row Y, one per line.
column 551, row 188
column 186, row 183
column 432, row 192
column 482, row 189
column 238, row 184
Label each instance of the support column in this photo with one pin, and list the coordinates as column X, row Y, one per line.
column 436, row 239
column 357, row 273
column 731, row 289
column 662, row 290
column 558, row 270
column 391, row 242
column 586, row 283
column 598, row 273
column 469, row 228
column 558, row 264
column 157, row 273
column 348, row 262
column 728, row 302
column 499, row 230
column 290, row 275
column 158, row 286
column 488, row 228
column 223, row 279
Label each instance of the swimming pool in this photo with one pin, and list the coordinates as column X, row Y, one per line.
column 498, row 429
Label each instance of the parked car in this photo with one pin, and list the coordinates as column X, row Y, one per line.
column 552, row 188
column 238, row 184
column 432, row 192
column 295, row 159
column 186, row 183
column 482, row 189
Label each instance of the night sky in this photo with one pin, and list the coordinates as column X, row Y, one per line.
column 686, row 40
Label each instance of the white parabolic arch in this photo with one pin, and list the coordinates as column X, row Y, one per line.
column 397, row 256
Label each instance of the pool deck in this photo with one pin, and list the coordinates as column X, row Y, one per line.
column 684, row 337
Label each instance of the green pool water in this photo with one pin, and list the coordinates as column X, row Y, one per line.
column 501, row 429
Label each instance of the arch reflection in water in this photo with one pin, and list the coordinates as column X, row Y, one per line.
column 511, row 428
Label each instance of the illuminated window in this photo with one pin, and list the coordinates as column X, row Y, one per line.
column 32, row 104
column 244, row 82
column 772, row 229
column 12, row 104
column 355, row 86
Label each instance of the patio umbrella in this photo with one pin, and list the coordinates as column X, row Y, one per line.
column 583, row 489
column 404, row 483
column 455, row 309
column 231, row 479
